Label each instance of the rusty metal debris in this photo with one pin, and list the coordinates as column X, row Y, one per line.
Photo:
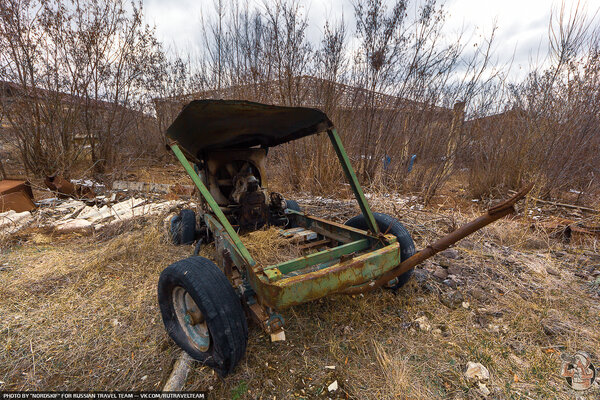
column 16, row 195
column 65, row 188
column 148, row 187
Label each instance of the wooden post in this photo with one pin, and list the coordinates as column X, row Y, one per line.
column 2, row 171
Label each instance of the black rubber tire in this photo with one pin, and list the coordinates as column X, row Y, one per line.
column 218, row 302
column 188, row 226
column 390, row 225
column 183, row 227
column 293, row 205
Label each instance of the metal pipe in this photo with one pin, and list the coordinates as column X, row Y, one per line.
column 493, row 214
column 353, row 180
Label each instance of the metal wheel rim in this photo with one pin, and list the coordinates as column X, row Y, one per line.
column 188, row 313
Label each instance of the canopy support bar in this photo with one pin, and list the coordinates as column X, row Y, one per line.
column 353, row 180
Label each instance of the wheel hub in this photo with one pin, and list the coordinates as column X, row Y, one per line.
column 191, row 319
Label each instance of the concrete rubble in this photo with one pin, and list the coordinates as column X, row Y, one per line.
column 77, row 216
column 12, row 221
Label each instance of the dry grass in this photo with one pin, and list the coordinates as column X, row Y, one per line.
column 268, row 247
column 82, row 314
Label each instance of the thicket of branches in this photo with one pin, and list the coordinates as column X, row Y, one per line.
column 545, row 129
column 389, row 84
column 551, row 130
column 392, row 81
column 75, row 81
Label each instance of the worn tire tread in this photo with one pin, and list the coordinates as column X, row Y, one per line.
column 222, row 308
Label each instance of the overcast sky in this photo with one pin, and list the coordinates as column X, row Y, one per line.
column 522, row 24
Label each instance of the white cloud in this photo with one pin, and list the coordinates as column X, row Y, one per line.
column 522, row 24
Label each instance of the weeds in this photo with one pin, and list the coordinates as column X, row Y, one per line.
column 81, row 312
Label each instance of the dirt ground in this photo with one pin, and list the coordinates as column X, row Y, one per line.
column 80, row 312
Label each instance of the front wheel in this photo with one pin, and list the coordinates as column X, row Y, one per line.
column 390, row 225
column 203, row 314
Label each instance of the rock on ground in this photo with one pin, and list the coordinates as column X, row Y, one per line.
column 476, row 371
column 12, row 221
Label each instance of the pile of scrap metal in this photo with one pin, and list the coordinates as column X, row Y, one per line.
column 83, row 205
column 67, row 216
column 12, row 221
column 16, row 196
column 65, row 188
column 75, row 208
column 157, row 188
column 76, row 215
column 16, row 202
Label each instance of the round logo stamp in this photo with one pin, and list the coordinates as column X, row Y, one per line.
column 578, row 370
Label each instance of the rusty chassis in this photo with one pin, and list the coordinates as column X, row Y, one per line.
column 358, row 262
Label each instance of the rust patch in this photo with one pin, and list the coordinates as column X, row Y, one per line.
column 16, row 196
column 65, row 188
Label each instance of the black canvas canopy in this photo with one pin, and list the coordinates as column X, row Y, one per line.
column 221, row 124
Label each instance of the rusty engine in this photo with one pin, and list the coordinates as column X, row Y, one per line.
column 237, row 181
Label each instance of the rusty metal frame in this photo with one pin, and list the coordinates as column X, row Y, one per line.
column 355, row 240
column 362, row 260
column 355, row 269
column 359, row 258
column 232, row 234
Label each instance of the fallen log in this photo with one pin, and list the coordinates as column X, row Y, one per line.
column 179, row 374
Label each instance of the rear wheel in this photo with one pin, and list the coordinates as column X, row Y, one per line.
column 203, row 314
column 390, row 225
column 183, row 227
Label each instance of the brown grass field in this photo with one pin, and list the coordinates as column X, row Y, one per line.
column 80, row 312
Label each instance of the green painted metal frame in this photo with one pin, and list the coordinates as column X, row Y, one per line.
column 293, row 290
column 354, row 241
column 321, row 256
column 279, row 291
column 353, row 180
column 213, row 205
column 272, row 285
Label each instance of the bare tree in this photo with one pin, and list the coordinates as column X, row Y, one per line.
column 79, row 72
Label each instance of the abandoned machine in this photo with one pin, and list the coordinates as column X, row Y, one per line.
column 223, row 145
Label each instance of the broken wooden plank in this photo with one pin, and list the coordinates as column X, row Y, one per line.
column 304, row 236
column 317, row 243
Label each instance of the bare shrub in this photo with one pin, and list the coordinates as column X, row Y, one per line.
column 75, row 80
column 549, row 131
column 390, row 95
